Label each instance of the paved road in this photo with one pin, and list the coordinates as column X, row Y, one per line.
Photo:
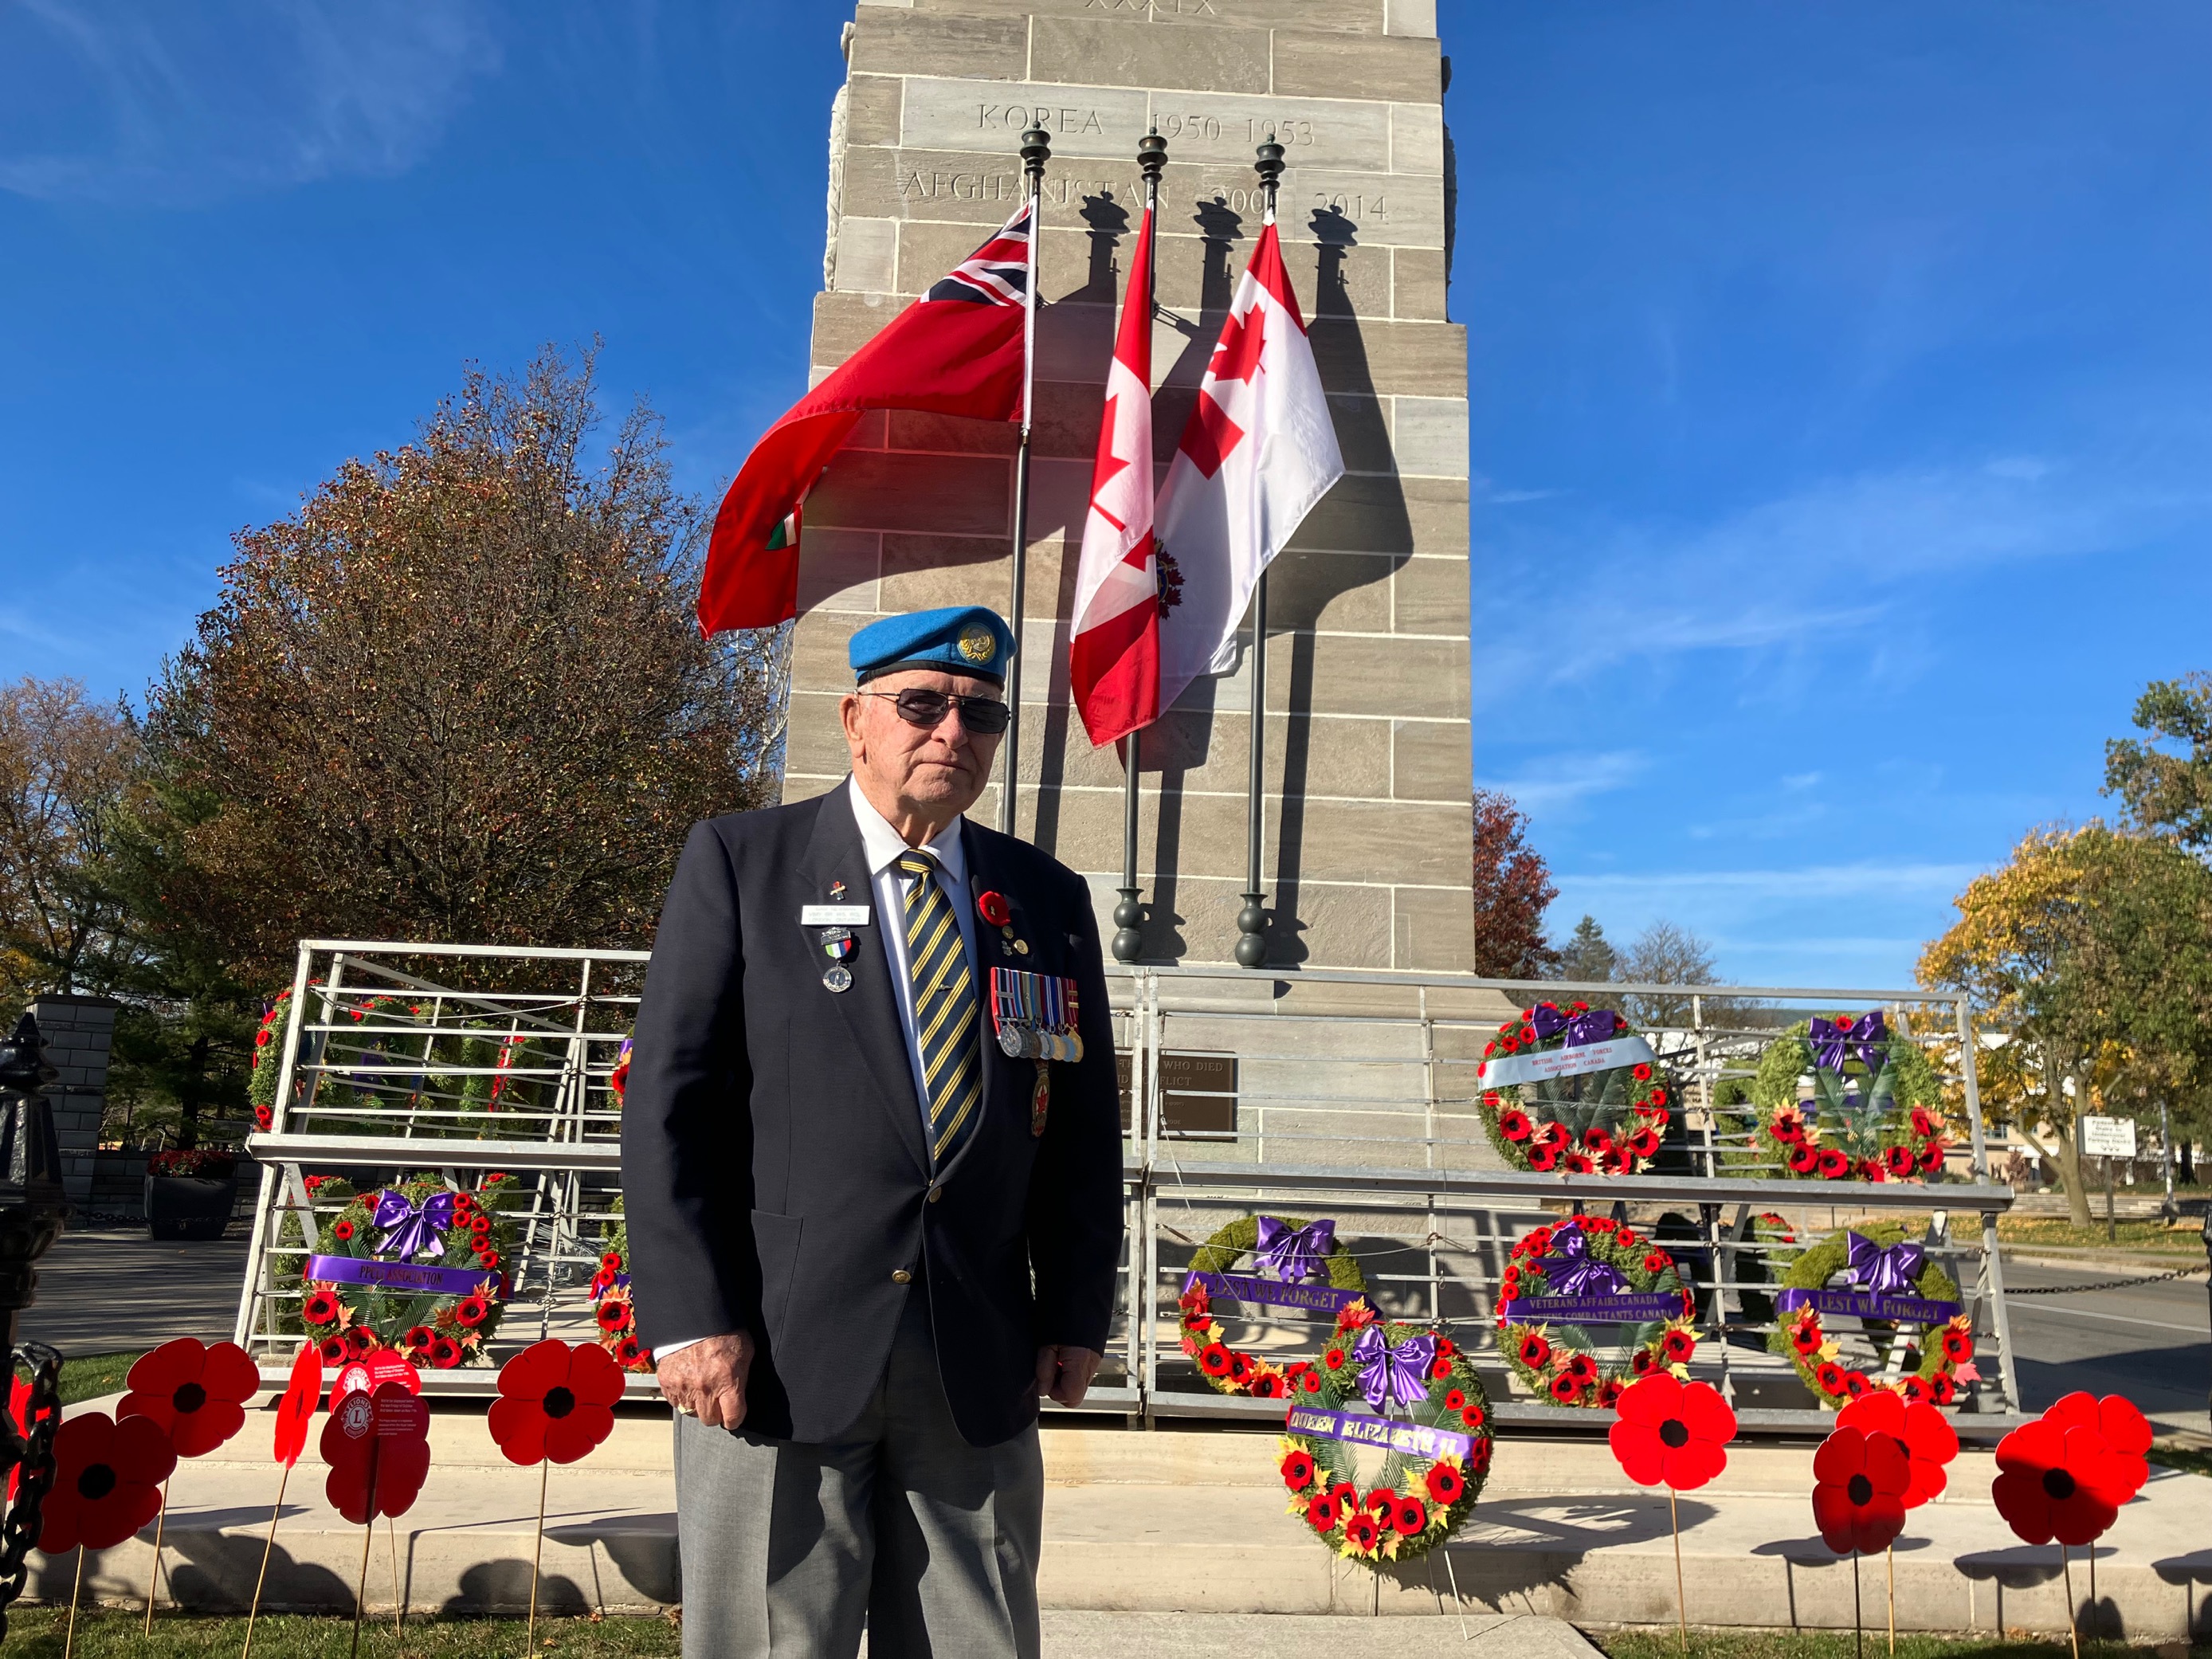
column 2152, row 1343
column 113, row 1290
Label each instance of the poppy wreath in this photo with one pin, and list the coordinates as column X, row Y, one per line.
column 433, row 1330
column 1876, row 1112
column 1560, row 1363
column 1606, row 1122
column 1932, row 1368
column 613, row 1311
column 1415, row 1503
column 268, row 1060
column 1227, row 1370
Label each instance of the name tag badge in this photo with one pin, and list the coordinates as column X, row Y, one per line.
column 833, row 916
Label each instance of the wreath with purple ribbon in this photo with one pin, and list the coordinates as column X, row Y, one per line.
column 1607, row 1120
column 1579, row 1263
column 422, row 1268
column 1876, row 1112
column 1284, row 1248
column 1877, row 1262
column 1409, row 1390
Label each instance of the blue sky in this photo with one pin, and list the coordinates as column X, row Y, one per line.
column 1841, row 425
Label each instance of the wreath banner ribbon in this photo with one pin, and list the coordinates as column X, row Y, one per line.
column 1628, row 1309
column 1273, row 1292
column 1508, row 1070
column 1864, row 1304
column 1408, row 1439
column 395, row 1275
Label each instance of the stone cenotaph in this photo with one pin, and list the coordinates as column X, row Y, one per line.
column 1367, row 850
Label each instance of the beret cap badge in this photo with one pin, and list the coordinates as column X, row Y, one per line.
column 977, row 645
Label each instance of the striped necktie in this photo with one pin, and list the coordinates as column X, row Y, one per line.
column 943, row 1008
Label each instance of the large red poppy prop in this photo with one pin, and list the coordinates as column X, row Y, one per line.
column 301, row 1395
column 1921, row 1431
column 1858, row 1500
column 366, row 1375
column 196, row 1394
column 107, row 1481
column 377, row 1446
column 1671, row 1433
column 2065, row 1475
column 556, row 1401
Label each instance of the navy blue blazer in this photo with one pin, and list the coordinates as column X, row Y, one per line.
column 774, row 1173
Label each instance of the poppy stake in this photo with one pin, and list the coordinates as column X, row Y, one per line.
column 367, row 1537
column 76, row 1589
column 1681, row 1597
column 537, row 1552
column 2073, row 1624
column 301, row 1395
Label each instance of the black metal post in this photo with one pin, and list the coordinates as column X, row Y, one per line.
column 2208, row 1281
column 1129, row 913
column 1036, row 150
column 32, row 1212
column 1252, row 920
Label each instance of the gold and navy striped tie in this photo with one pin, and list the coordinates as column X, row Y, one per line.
column 943, row 1008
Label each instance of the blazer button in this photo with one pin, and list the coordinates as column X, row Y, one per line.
column 936, row 1193
column 901, row 1276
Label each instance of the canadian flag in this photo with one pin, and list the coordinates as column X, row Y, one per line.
column 1258, row 452
column 1114, row 653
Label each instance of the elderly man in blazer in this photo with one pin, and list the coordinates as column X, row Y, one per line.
column 872, row 1174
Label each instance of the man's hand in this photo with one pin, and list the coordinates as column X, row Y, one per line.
column 1064, row 1373
column 709, row 1379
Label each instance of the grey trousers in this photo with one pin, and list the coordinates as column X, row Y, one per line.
column 784, row 1547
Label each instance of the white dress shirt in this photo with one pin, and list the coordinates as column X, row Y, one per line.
column 883, row 847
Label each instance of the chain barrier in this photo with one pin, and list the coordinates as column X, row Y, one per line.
column 31, row 1456
column 2100, row 1285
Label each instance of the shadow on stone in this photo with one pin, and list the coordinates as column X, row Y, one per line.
column 504, row 1587
column 218, row 1570
column 643, row 1549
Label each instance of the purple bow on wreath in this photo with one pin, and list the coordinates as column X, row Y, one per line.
column 1832, row 1042
column 1884, row 1272
column 1387, row 1373
column 1575, row 1271
column 1598, row 1025
column 1295, row 1252
column 409, row 1230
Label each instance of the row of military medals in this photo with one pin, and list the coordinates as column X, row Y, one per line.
column 838, row 944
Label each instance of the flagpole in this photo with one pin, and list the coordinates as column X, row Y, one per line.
column 1129, row 913
column 1036, row 150
column 1252, row 920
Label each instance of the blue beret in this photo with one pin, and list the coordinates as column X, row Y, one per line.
column 958, row 639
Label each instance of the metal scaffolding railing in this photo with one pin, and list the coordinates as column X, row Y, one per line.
column 1350, row 1094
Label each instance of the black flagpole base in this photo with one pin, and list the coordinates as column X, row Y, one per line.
column 1252, row 933
column 1128, row 926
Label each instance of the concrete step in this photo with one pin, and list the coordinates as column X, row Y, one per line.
column 1194, row 1522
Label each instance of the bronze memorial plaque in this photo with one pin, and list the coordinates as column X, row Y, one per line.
column 1198, row 1094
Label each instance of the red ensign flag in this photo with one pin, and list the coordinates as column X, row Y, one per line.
column 957, row 350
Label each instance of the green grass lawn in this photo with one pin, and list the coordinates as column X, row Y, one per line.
column 114, row 1633
column 94, row 1375
column 1645, row 1644
column 2184, row 1239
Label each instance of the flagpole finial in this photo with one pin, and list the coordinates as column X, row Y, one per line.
column 1152, row 155
column 1269, row 166
column 1036, row 150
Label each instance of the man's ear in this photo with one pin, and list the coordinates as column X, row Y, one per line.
column 848, row 716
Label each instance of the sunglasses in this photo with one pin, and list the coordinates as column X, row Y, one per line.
column 985, row 716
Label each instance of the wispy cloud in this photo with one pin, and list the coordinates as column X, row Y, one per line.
column 152, row 104
column 1558, row 787
column 1867, row 880
column 1833, row 561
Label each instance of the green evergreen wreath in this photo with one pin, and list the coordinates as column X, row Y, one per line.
column 433, row 1330
column 1928, row 1370
column 1225, row 1369
column 1608, row 1122
column 1867, row 1122
column 1415, row 1503
column 1559, row 1364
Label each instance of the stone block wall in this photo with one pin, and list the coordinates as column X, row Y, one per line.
column 78, row 1032
column 1367, row 848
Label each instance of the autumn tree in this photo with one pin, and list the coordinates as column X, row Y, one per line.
column 2165, row 793
column 2095, row 948
column 458, row 695
column 1667, row 954
column 66, row 765
column 1513, row 887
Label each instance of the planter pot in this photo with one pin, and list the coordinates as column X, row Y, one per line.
column 188, row 1207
